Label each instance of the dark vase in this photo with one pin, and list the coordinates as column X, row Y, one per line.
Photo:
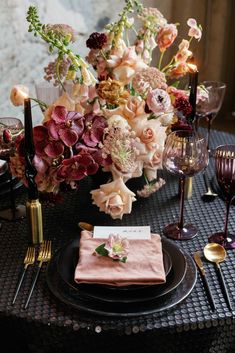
column 100, row 177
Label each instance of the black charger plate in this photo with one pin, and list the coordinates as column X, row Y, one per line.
column 68, row 295
column 68, row 259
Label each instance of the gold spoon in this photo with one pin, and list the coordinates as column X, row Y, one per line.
column 216, row 254
column 86, row 226
column 209, row 195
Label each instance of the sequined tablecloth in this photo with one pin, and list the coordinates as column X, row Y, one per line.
column 49, row 325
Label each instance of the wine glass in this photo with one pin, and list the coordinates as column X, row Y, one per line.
column 210, row 107
column 225, row 175
column 10, row 129
column 185, row 154
column 46, row 93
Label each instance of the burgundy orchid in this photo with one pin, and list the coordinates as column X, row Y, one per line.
column 65, row 126
column 94, row 129
column 44, row 145
column 77, row 167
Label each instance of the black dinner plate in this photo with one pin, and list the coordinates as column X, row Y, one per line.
column 174, row 262
column 68, row 260
column 65, row 293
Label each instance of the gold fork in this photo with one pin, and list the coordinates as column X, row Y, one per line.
column 28, row 260
column 43, row 256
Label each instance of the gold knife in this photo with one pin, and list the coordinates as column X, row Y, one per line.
column 198, row 260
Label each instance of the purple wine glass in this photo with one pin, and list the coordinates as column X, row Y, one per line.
column 210, row 107
column 185, row 154
column 225, row 174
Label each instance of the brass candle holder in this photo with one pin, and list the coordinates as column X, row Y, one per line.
column 34, row 217
column 33, row 205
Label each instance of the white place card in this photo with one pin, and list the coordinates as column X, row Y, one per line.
column 132, row 232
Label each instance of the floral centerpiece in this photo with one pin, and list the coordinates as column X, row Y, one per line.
column 119, row 109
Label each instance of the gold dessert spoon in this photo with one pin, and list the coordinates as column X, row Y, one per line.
column 216, row 253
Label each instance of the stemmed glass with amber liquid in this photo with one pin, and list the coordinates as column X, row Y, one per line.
column 10, row 129
column 185, row 154
column 225, row 175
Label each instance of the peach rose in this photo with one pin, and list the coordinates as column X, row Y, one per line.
column 126, row 66
column 150, row 132
column 18, row 94
column 114, row 198
column 134, row 107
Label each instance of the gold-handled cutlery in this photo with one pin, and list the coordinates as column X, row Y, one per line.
column 216, row 253
column 28, row 260
column 86, row 226
column 209, row 195
column 198, row 260
column 43, row 256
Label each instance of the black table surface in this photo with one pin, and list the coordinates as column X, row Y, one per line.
column 48, row 325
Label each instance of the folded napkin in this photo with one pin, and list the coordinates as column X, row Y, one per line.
column 144, row 263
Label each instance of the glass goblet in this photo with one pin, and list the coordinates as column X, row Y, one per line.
column 185, row 154
column 210, row 107
column 225, row 175
column 10, row 129
column 46, row 93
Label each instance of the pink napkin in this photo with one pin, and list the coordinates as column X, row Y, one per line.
column 144, row 263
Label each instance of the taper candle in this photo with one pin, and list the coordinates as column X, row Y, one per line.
column 28, row 128
column 33, row 205
column 193, row 82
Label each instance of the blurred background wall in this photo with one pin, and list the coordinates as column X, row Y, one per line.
column 22, row 57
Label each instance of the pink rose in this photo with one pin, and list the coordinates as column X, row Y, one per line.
column 114, row 198
column 166, row 36
column 18, row 94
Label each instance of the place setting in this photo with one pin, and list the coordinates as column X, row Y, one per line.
column 156, row 274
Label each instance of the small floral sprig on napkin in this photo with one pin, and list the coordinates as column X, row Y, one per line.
column 116, row 247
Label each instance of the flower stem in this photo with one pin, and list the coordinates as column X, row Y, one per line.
column 160, row 60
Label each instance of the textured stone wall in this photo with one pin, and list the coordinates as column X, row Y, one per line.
column 23, row 57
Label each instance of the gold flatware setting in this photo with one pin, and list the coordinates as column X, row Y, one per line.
column 28, row 260
column 198, row 260
column 216, row 253
column 43, row 256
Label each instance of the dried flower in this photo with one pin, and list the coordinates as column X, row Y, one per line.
column 112, row 91
column 148, row 79
column 62, row 31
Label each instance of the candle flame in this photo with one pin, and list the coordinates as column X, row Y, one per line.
column 192, row 68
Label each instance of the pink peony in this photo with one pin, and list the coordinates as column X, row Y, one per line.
column 159, row 101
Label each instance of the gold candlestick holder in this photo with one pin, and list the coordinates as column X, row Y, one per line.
column 188, row 188
column 34, row 216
